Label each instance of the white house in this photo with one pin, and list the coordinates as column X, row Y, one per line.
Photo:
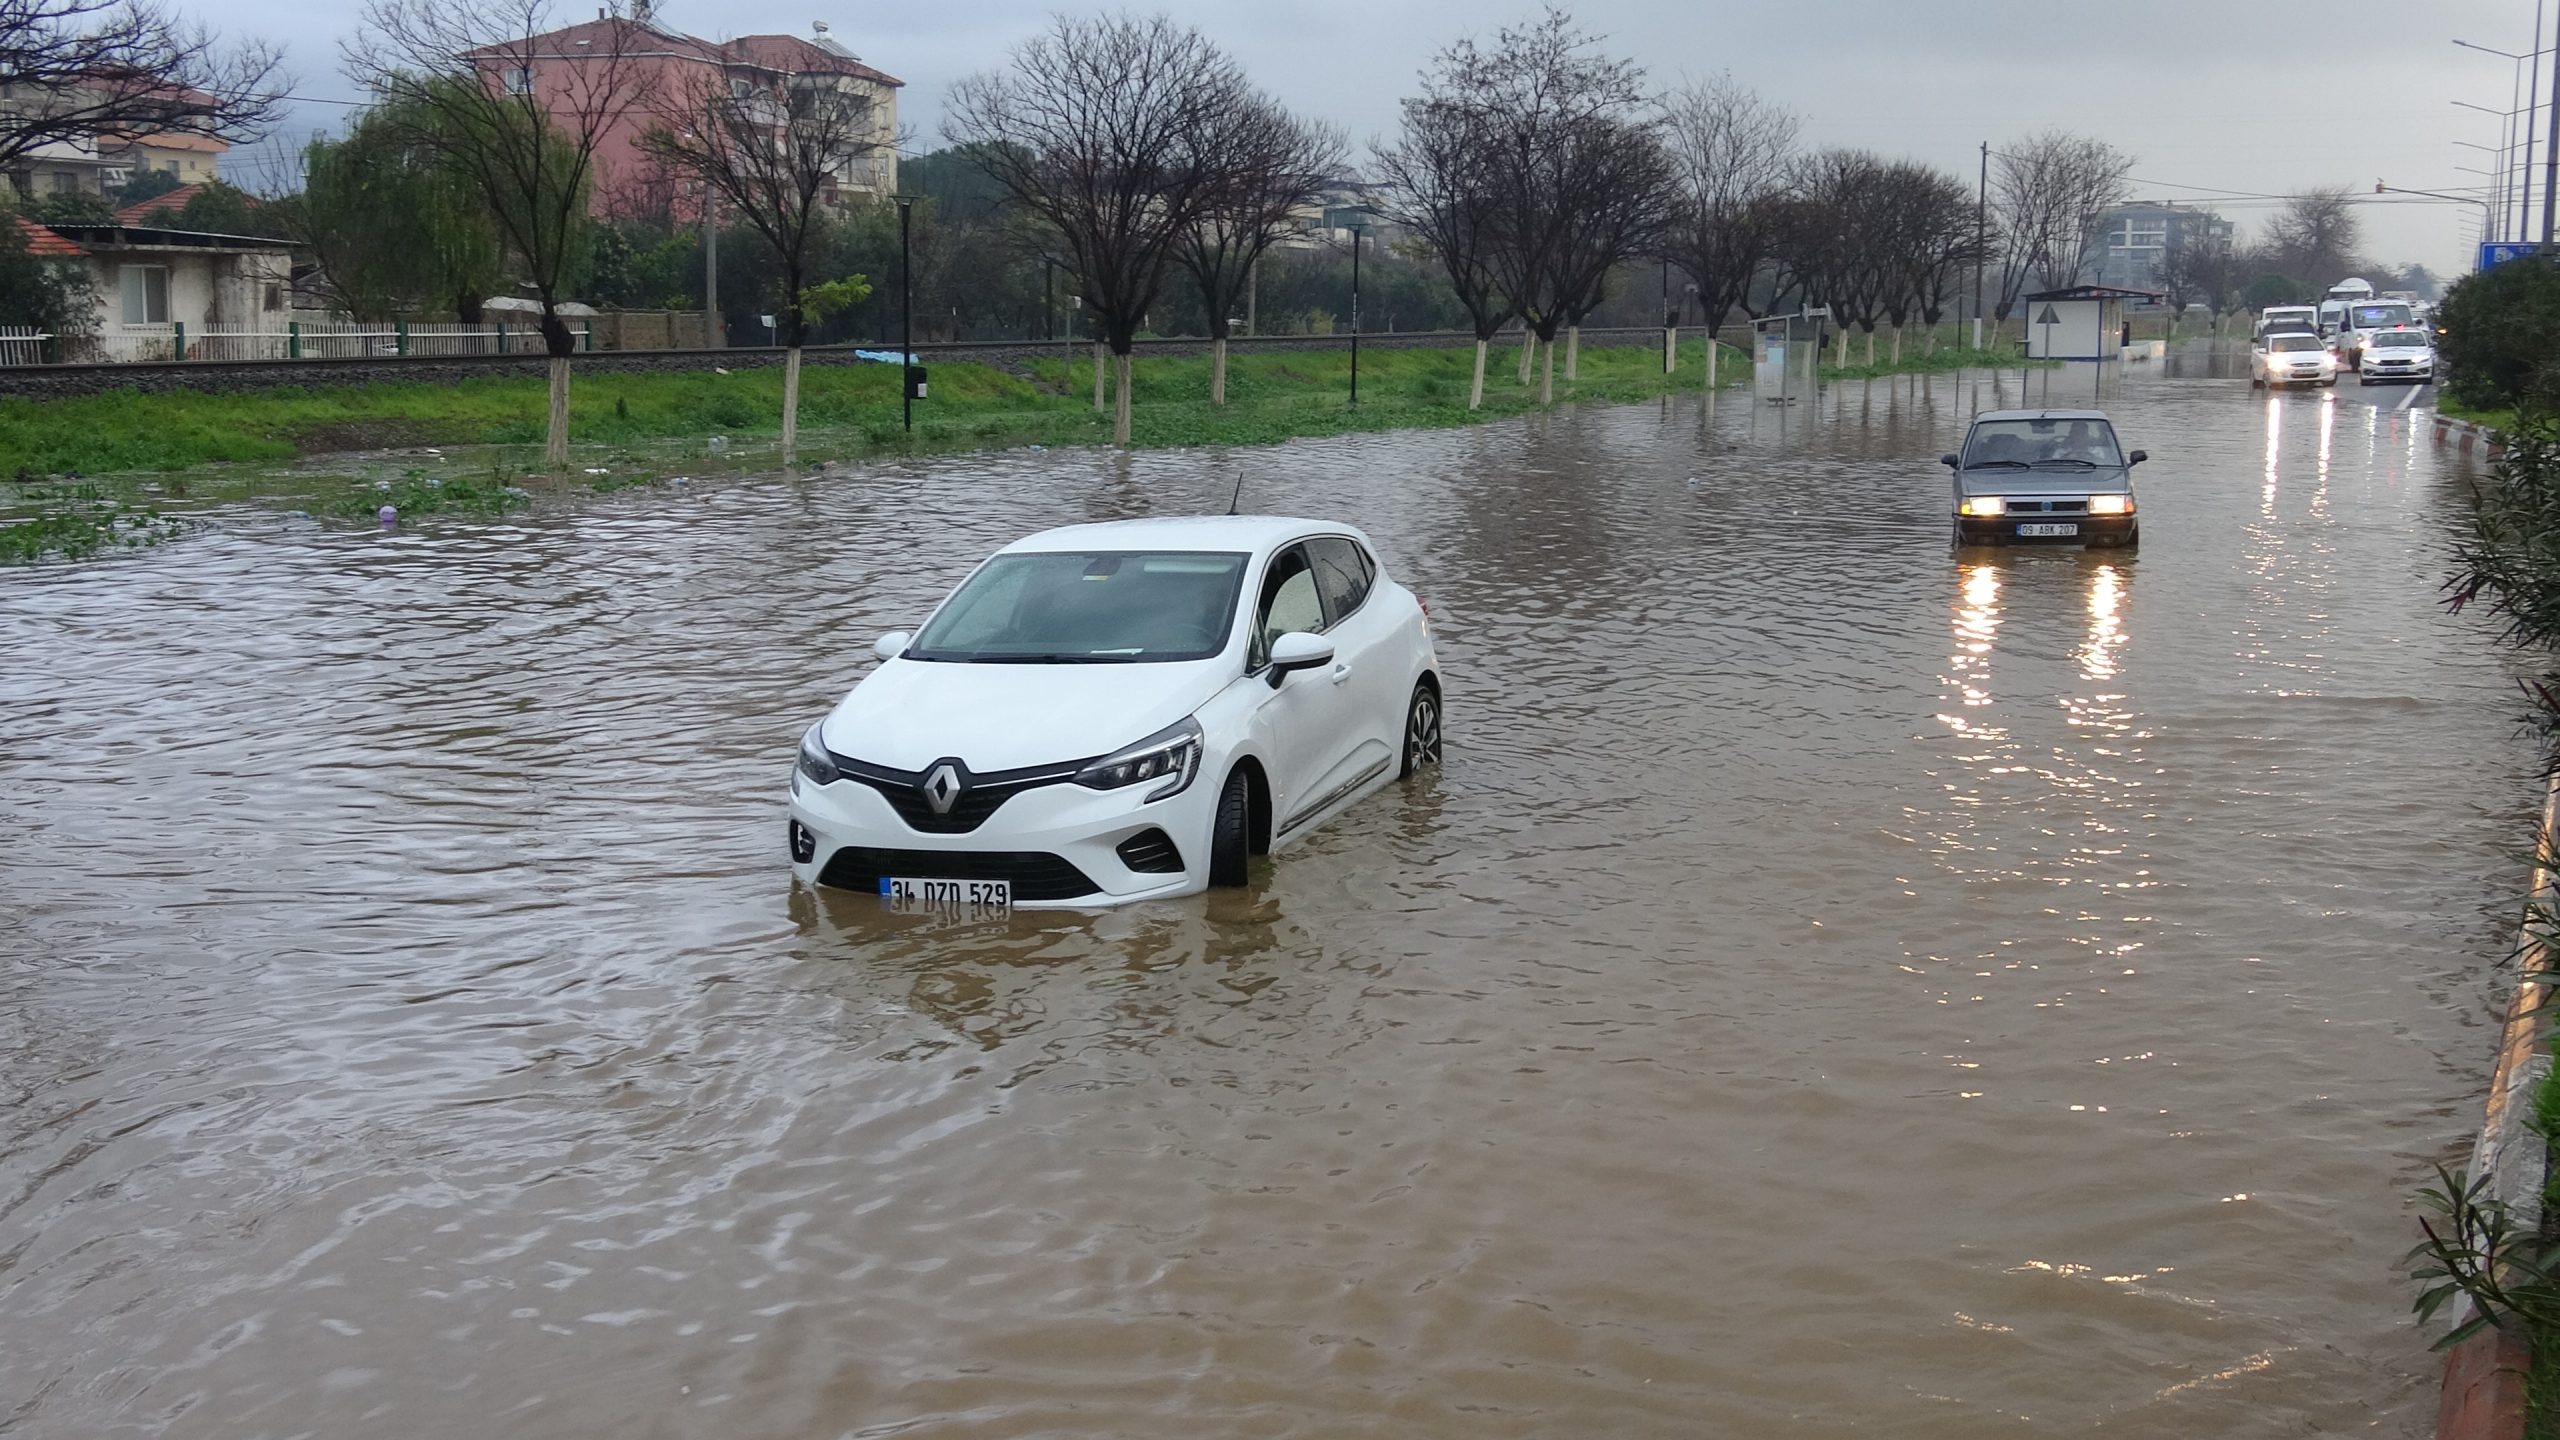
column 161, row 289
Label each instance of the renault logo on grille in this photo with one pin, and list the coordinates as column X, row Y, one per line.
column 941, row 786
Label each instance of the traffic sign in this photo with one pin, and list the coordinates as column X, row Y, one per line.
column 2499, row 252
column 2048, row 317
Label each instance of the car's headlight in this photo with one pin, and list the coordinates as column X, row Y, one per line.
column 2110, row 504
column 1170, row 756
column 1983, row 505
column 815, row 762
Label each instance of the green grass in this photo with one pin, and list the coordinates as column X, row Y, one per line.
column 2494, row 419
column 74, row 522
column 845, row 411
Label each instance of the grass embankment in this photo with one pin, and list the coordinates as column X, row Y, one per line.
column 845, row 410
column 2500, row 419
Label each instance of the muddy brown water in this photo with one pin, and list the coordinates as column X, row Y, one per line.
column 1835, row 985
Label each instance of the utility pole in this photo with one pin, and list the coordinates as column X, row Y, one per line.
column 715, row 335
column 1981, row 237
column 906, row 320
column 1355, row 317
column 2532, row 102
column 2551, row 137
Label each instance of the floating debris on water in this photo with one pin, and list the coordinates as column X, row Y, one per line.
column 389, row 515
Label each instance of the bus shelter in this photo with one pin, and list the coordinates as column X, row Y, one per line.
column 2083, row 322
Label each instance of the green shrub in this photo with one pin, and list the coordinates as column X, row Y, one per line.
column 2502, row 332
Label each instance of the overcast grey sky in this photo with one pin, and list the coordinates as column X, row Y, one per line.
column 2256, row 96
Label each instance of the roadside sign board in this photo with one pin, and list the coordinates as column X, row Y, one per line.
column 2498, row 252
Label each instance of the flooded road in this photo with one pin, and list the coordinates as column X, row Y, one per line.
column 1835, row 984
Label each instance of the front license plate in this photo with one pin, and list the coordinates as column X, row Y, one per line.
column 948, row 899
column 2040, row 531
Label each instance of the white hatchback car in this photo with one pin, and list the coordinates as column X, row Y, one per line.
column 1115, row 712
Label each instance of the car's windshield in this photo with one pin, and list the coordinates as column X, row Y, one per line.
column 2374, row 317
column 2399, row 340
column 2295, row 342
column 1997, row 443
column 1088, row 607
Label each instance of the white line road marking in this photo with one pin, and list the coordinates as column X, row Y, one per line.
column 2411, row 398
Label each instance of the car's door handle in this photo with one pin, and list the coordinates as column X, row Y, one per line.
column 1341, row 673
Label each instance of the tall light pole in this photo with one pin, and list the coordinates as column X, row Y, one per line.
column 2486, row 208
column 1981, row 237
column 906, row 318
column 1355, row 316
column 2506, row 144
column 2517, row 175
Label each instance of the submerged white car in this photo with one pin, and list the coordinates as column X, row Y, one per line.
column 1116, row 712
column 2406, row 354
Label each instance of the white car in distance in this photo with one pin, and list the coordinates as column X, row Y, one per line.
column 1116, row 712
column 2292, row 358
column 2407, row 355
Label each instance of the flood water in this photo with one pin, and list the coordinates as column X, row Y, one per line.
column 1835, row 985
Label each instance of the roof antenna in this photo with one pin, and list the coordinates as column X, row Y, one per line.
column 1236, row 498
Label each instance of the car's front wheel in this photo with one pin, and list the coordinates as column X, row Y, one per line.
column 1421, row 730
column 1231, row 837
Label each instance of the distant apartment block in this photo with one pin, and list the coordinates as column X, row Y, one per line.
column 2134, row 238
column 558, row 65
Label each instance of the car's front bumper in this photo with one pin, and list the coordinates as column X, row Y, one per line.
column 2003, row 529
column 2416, row 374
column 2302, row 377
column 1059, row 845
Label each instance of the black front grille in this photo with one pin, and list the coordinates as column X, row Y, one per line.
column 980, row 795
column 2046, row 507
column 1035, row 875
column 1151, row 852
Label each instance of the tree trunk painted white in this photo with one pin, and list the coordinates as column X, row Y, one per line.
column 1897, row 344
column 1120, row 404
column 1097, row 377
column 1475, row 389
column 1871, row 349
column 555, row 451
column 791, row 404
column 1547, row 377
column 1218, row 371
column 1572, row 353
column 1842, row 362
column 1713, row 345
column 1528, row 352
column 1670, row 349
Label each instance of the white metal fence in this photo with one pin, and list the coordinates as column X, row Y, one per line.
column 295, row 340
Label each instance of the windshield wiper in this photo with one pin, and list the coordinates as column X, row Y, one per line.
column 1996, row 465
column 2067, row 460
column 1055, row 659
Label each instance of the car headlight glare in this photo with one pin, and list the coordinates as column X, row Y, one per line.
column 815, row 762
column 1170, row 757
column 1983, row 505
column 2110, row 504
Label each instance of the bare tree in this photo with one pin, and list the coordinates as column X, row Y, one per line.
column 86, row 70
column 1438, row 183
column 1573, row 163
column 2199, row 263
column 2314, row 237
column 521, row 110
column 1735, row 151
column 2050, row 192
column 780, row 146
column 1103, row 127
column 1272, row 166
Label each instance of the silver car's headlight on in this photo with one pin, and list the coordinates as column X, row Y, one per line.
column 1170, row 757
column 816, row 764
column 1983, row 505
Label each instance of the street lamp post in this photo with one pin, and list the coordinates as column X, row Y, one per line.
column 1355, row 317
column 2506, row 148
column 2516, row 168
column 2488, row 228
column 906, row 318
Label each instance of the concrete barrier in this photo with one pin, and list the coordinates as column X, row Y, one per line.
column 2483, row 1396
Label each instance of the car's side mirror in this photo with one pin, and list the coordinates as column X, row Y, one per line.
column 892, row 645
column 2137, row 457
column 1948, row 460
column 1295, row 651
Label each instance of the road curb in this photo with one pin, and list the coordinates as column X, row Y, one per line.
column 2465, row 434
column 2483, row 1396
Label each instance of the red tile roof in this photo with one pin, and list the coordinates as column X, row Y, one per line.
column 41, row 241
column 791, row 54
column 176, row 200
